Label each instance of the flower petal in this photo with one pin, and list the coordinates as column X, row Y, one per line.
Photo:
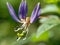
column 12, row 12
column 23, row 10
column 39, row 13
column 35, row 13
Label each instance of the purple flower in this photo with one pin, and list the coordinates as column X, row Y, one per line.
column 22, row 12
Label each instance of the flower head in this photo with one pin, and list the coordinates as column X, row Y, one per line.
column 22, row 12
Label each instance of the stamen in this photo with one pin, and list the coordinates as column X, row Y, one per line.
column 20, row 28
column 22, row 35
column 18, row 38
column 24, row 38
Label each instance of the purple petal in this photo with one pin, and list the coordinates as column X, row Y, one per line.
column 39, row 13
column 23, row 10
column 35, row 14
column 12, row 12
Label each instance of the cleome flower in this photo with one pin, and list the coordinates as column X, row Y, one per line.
column 22, row 16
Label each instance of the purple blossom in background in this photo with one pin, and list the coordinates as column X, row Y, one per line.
column 22, row 12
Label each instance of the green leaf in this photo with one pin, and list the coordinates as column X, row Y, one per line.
column 47, row 19
column 56, row 32
column 43, row 37
column 50, row 23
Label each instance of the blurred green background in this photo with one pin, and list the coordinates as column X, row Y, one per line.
column 45, row 31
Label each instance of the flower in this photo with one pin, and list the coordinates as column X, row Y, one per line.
column 22, row 12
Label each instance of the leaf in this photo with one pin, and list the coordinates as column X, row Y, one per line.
column 50, row 23
column 43, row 37
column 47, row 19
column 56, row 32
